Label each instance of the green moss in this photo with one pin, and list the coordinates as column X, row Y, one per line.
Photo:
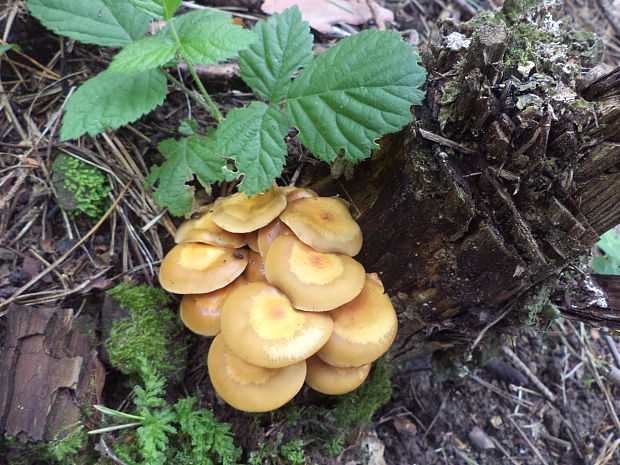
column 151, row 332
column 349, row 412
column 81, row 188
column 276, row 452
column 541, row 310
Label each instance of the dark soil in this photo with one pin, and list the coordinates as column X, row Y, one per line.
column 484, row 418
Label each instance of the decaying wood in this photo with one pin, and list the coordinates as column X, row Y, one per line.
column 506, row 178
column 49, row 370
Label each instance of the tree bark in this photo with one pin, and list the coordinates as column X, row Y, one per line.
column 482, row 208
column 49, row 370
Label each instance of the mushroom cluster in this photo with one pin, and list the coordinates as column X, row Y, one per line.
column 273, row 279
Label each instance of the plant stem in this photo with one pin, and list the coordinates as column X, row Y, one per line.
column 203, row 91
column 216, row 113
column 187, row 91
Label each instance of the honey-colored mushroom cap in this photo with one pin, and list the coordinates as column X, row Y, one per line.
column 255, row 271
column 328, row 379
column 249, row 387
column 268, row 234
column 252, row 240
column 203, row 229
column 201, row 313
column 313, row 281
column 260, row 325
column 325, row 224
column 239, row 214
column 195, row 268
column 364, row 328
column 294, row 193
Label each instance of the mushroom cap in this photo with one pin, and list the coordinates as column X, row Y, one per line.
column 294, row 193
column 196, row 268
column 251, row 239
column 239, row 214
column 203, row 229
column 364, row 328
column 249, row 387
column 260, row 325
column 200, row 313
column 255, row 271
column 313, row 281
column 268, row 234
column 328, row 379
column 325, row 224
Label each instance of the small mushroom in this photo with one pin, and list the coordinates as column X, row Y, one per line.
column 260, row 325
column 255, row 271
column 249, row 387
column 294, row 193
column 325, row 224
column 364, row 328
column 328, row 379
column 196, row 268
column 203, row 229
column 200, row 313
column 239, row 214
column 268, row 234
column 313, row 281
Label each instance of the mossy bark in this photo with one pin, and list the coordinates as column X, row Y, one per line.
column 508, row 175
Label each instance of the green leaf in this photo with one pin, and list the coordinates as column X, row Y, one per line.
column 186, row 157
column 158, row 9
column 209, row 39
column 284, row 45
column 204, row 17
column 354, row 93
column 610, row 245
column 112, row 23
column 112, row 100
column 254, row 137
column 148, row 53
column 6, row 47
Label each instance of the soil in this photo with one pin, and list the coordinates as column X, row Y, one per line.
column 498, row 415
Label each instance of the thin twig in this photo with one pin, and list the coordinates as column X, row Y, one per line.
column 528, row 440
column 64, row 256
column 539, row 384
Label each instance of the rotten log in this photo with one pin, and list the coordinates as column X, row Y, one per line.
column 49, row 371
column 506, row 178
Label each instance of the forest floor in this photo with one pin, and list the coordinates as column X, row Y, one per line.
column 547, row 399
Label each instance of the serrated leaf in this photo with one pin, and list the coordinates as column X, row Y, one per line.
column 158, row 9
column 216, row 42
column 110, row 100
column 254, row 137
column 283, row 45
column 111, row 23
column 181, row 23
column 148, row 53
column 354, row 93
column 186, row 157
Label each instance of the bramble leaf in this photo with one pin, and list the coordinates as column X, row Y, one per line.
column 148, row 53
column 211, row 40
column 158, row 9
column 284, row 45
column 354, row 93
column 254, row 138
column 112, row 99
column 111, row 23
column 186, row 157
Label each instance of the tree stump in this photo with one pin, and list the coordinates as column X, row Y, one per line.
column 480, row 210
